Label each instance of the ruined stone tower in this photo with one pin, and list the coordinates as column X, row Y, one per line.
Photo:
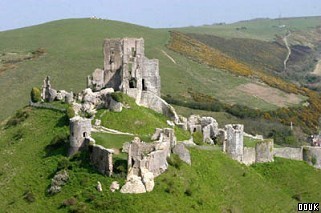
column 80, row 130
column 234, row 141
column 127, row 69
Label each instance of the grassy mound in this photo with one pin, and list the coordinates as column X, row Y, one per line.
column 136, row 119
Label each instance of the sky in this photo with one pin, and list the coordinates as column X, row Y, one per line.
column 156, row 14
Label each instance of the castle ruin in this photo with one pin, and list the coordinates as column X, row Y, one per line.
column 127, row 69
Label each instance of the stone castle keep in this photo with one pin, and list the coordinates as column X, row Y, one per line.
column 126, row 69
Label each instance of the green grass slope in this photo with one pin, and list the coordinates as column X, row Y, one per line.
column 29, row 157
column 73, row 49
column 137, row 120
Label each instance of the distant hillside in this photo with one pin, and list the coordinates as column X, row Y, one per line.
column 261, row 29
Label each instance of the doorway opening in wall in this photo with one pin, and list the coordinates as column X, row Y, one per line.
column 144, row 85
column 112, row 56
column 133, row 52
column 84, row 134
column 133, row 83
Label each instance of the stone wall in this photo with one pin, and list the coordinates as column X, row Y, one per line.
column 102, row 159
column 46, row 106
column 289, row 153
column 264, row 151
column 151, row 76
column 312, row 155
column 249, row 155
column 112, row 63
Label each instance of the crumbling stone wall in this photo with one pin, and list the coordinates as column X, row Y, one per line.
column 48, row 94
column 80, row 131
column 208, row 126
column 264, row 151
column 289, row 153
column 249, row 155
column 102, row 159
column 234, row 141
column 150, row 156
column 148, row 160
column 312, row 155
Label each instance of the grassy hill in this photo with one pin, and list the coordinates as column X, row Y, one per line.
column 30, row 156
column 73, row 49
column 261, row 29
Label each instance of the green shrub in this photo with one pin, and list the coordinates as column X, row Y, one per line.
column 64, row 163
column 70, row 112
column 29, row 197
column 314, row 160
column 18, row 118
column 69, row 202
column 118, row 96
column 188, row 192
column 198, row 138
column 35, row 94
column 175, row 161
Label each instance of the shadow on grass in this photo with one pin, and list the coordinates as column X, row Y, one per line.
column 58, row 145
column 63, row 121
column 120, row 167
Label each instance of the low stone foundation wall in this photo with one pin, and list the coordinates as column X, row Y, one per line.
column 248, row 155
column 264, row 151
column 46, row 106
column 289, row 153
column 102, row 159
column 312, row 155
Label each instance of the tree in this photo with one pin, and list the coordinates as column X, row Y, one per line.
column 35, row 94
column 70, row 112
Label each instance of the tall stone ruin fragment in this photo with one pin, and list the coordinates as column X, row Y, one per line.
column 234, row 141
column 48, row 94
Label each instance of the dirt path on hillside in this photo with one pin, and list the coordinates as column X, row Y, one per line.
column 285, row 40
column 168, row 56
